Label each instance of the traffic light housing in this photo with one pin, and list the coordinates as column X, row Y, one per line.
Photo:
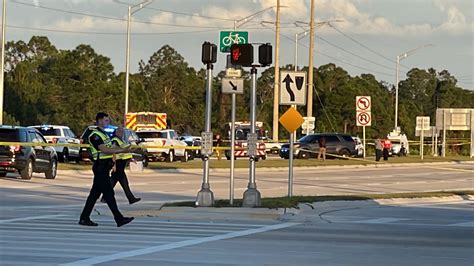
column 265, row 54
column 241, row 54
column 209, row 53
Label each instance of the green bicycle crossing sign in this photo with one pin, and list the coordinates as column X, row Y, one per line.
column 227, row 38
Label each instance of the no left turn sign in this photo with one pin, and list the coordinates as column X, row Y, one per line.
column 363, row 103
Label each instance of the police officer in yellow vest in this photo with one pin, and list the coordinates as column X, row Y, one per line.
column 102, row 153
column 118, row 171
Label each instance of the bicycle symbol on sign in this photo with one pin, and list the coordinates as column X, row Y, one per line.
column 232, row 38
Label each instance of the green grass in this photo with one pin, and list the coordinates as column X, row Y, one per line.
column 285, row 202
column 244, row 163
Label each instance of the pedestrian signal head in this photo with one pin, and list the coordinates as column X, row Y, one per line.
column 209, row 53
column 265, row 54
column 241, row 54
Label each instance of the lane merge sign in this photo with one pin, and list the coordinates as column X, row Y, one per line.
column 293, row 88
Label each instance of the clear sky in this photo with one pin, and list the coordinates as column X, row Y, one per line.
column 367, row 38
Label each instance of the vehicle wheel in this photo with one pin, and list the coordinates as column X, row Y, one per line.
column 275, row 150
column 64, row 156
column 344, row 153
column 304, row 155
column 52, row 170
column 185, row 157
column 263, row 157
column 3, row 174
column 27, row 172
column 170, row 157
column 145, row 162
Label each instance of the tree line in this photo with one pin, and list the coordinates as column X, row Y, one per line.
column 46, row 85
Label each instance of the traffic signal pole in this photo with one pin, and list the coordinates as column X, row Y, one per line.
column 205, row 196
column 252, row 197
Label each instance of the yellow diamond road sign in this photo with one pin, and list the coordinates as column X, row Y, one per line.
column 291, row 120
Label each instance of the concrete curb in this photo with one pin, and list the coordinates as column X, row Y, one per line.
column 219, row 170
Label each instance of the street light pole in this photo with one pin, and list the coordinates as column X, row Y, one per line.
column 397, row 75
column 137, row 7
column 2, row 67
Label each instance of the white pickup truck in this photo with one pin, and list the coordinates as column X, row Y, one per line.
column 163, row 145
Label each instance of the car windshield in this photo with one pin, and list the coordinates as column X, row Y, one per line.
column 151, row 135
column 49, row 131
column 306, row 139
column 8, row 135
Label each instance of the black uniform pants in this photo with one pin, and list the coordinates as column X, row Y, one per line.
column 385, row 154
column 378, row 154
column 101, row 185
column 120, row 176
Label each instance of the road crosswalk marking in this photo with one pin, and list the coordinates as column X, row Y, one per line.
column 58, row 239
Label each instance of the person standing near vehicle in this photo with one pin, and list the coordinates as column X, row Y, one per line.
column 322, row 148
column 378, row 149
column 218, row 144
column 102, row 153
column 387, row 145
column 118, row 171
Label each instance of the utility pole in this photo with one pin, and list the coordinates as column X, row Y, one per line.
column 276, row 85
column 132, row 9
column 309, row 112
column 2, row 67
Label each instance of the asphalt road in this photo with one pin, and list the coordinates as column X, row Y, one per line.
column 38, row 221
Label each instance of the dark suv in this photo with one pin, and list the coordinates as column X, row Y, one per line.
column 26, row 159
column 308, row 146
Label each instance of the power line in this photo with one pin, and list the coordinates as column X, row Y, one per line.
column 364, row 46
column 114, row 18
column 338, row 60
column 356, row 55
column 106, row 33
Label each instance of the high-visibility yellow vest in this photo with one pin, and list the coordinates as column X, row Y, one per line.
column 122, row 144
column 107, row 142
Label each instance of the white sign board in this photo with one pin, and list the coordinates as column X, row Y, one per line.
column 233, row 73
column 308, row 123
column 252, row 144
column 233, row 85
column 363, row 103
column 293, row 88
column 423, row 123
column 454, row 119
column 363, row 119
column 206, row 143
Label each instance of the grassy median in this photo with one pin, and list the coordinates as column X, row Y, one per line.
column 277, row 162
column 285, row 202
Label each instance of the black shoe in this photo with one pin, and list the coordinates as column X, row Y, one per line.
column 124, row 221
column 87, row 223
column 134, row 200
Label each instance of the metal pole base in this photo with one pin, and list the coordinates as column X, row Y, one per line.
column 252, row 198
column 205, row 198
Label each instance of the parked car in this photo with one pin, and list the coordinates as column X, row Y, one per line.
column 61, row 134
column 192, row 141
column 163, row 145
column 359, row 147
column 26, row 159
column 308, row 146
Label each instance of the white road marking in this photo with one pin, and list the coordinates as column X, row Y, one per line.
column 467, row 224
column 133, row 253
column 31, row 218
column 381, row 220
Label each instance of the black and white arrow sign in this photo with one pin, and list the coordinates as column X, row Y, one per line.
column 293, row 88
column 232, row 85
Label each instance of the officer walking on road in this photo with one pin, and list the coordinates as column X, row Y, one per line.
column 102, row 152
column 118, row 171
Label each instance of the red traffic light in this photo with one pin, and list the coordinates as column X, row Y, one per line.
column 241, row 54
